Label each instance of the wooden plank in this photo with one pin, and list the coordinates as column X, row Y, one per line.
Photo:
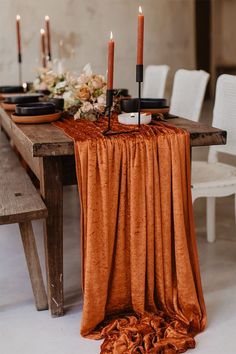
column 40, row 139
column 18, row 141
column 19, row 200
column 33, row 264
column 51, row 185
column 200, row 134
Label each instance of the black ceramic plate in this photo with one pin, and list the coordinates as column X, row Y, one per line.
column 153, row 103
column 44, row 92
column 23, row 98
column 58, row 102
column 35, row 109
column 11, row 89
column 131, row 105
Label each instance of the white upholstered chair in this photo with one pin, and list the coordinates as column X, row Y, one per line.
column 155, row 81
column 214, row 179
column 188, row 93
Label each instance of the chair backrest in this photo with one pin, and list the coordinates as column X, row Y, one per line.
column 224, row 114
column 188, row 93
column 155, row 81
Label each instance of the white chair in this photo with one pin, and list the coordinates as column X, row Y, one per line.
column 188, row 93
column 214, row 179
column 155, row 81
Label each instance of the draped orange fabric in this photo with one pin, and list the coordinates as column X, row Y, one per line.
column 141, row 280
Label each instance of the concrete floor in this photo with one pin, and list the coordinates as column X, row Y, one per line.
column 23, row 330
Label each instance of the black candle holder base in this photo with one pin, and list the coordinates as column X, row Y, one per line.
column 109, row 131
column 139, row 80
column 114, row 132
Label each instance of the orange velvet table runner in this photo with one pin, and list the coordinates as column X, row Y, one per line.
column 141, row 280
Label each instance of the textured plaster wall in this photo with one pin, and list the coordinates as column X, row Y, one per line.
column 225, row 31
column 84, row 25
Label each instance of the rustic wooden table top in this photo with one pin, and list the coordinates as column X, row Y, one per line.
column 47, row 140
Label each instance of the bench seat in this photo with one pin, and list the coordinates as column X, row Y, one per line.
column 21, row 203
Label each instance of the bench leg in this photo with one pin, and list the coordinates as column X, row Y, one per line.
column 32, row 259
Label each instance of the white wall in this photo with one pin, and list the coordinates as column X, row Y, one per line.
column 85, row 25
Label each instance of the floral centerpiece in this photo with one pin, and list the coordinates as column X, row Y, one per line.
column 85, row 96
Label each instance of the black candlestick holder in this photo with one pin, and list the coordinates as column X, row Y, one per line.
column 20, row 68
column 109, row 103
column 139, row 80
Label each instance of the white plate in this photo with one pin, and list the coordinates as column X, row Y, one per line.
column 132, row 118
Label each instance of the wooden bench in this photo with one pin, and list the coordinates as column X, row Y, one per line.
column 20, row 203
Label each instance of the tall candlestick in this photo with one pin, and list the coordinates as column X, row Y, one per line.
column 18, row 34
column 48, row 32
column 140, row 37
column 43, row 47
column 110, row 75
column 19, row 54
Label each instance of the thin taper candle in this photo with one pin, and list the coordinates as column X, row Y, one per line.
column 43, row 47
column 110, row 74
column 140, row 38
column 48, row 33
column 18, row 35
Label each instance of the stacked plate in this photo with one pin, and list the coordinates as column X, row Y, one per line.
column 11, row 89
column 147, row 105
column 36, row 112
column 10, row 101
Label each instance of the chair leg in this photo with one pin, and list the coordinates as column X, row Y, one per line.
column 211, row 219
column 32, row 259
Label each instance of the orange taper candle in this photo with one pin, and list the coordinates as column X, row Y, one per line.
column 140, row 37
column 43, row 47
column 48, row 32
column 18, row 35
column 110, row 74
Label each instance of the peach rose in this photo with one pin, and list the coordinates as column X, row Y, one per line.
column 49, row 79
column 82, row 93
column 97, row 82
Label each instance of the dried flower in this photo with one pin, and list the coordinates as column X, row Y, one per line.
column 82, row 93
column 86, row 107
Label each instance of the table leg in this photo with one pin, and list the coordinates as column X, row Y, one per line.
column 51, row 187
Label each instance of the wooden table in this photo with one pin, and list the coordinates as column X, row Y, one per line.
column 50, row 155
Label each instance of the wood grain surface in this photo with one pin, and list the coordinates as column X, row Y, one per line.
column 19, row 200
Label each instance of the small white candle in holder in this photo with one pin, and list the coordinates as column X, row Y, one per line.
column 132, row 118
column 24, row 86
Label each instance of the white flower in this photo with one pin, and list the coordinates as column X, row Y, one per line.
column 86, row 107
column 60, row 85
column 83, row 79
column 37, row 83
column 67, row 96
column 101, row 100
column 87, row 70
column 98, row 107
column 77, row 115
